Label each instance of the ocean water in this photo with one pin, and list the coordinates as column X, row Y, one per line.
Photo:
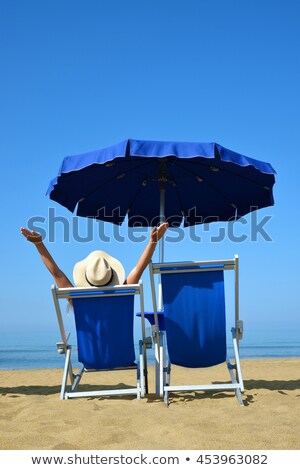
column 38, row 351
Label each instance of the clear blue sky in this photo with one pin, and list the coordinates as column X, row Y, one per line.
column 80, row 75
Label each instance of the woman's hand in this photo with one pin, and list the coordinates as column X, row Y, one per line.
column 31, row 236
column 158, row 232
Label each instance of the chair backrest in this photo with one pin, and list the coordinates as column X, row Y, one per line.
column 104, row 325
column 194, row 306
column 194, row 309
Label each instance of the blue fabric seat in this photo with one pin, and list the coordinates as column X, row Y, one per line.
column 194, row 307
column 104, row 331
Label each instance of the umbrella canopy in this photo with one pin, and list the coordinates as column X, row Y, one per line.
column 153, row 180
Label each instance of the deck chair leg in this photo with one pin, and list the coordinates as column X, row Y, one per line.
column 168, row 373
column 167, row 377
column 145, row 368
column 237, row 361
column 236, row 377
column 139, row 393
column 157, row 368
column 237, row 390
column 166, row 397
column 166, row 364
column 141, row 385
column 162, row 377
column 239, row 396
column 76, row 379
column 65, row 374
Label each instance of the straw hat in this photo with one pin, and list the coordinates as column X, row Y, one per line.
column 98, row 269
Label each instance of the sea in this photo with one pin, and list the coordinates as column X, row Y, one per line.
column 38, row 350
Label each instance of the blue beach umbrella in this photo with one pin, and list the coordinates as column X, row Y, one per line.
column 154, row 180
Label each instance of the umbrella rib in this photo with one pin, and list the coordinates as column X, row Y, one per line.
column 113, row 179
column 208, row 184
column 213, row 187
column 176, row 190
column 231, row 172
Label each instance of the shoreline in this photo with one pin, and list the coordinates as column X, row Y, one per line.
column 33, row 417
column 151, row 363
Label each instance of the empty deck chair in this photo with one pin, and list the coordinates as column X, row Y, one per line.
column 195, row 323
column 104, row 326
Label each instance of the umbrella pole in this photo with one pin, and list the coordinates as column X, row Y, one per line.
column 161, row 221
column 161, row 242
column 159, row 307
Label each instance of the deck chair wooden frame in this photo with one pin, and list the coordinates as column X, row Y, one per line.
column 64, row 347
column 163, row 364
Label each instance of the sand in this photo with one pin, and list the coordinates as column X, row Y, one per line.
column 33, row 417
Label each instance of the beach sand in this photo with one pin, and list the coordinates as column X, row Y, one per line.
column 33, row 417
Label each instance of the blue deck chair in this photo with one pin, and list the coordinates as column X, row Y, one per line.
column 195, row 323
column 104, row 326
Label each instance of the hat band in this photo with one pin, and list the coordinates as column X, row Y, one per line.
column 101, row 285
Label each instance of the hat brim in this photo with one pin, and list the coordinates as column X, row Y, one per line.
column 79, row 276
